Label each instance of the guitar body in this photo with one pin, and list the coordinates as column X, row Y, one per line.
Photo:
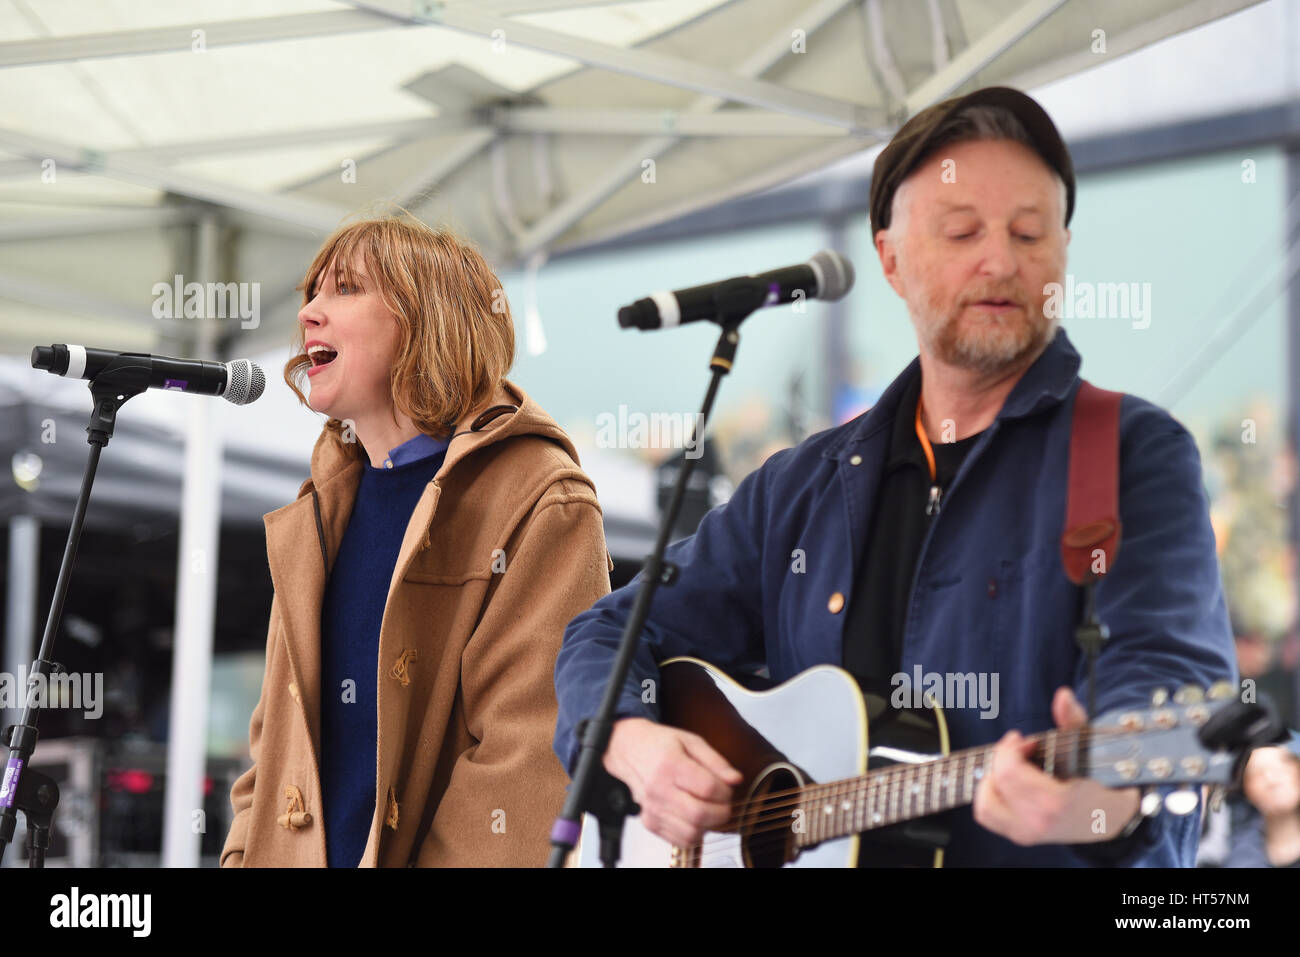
column 820, row 726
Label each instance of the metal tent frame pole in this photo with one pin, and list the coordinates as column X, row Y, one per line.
column 184, row 820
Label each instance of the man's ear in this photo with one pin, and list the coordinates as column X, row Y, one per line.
column 887, row 250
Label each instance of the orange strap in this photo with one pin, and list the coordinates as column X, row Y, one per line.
column 925, row 441
column 1090, row 541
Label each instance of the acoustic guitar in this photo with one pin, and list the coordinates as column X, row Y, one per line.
column 833, row 771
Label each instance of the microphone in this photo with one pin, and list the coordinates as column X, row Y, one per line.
column 240, row 382
column 828, row 275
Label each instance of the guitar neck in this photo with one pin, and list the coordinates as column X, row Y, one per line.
column 903, row 792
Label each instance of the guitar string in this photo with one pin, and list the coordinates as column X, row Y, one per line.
column 770, row 820
column 767, row 815
column 899, row 770
column 780, row 822
column 815, row 793
column 764, row 823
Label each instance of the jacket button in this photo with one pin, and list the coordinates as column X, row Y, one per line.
column 294, row 692
column 295, row 815
column 391, row 819
column 836, row 604
column 399, row 669
column 856, row 460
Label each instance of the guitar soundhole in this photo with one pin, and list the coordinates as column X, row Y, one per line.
column 767, row 834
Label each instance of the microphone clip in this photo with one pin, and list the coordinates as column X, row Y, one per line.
column 111, row 388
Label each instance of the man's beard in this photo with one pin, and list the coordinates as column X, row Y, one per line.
column 986, row 342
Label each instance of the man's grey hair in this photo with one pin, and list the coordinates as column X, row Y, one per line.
column 979, row 122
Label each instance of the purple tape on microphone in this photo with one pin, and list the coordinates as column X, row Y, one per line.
column 179, row 385
column 9, row 787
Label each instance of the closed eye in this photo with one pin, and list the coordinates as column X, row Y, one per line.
column 1023, row 236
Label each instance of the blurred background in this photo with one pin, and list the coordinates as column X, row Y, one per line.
column 596, row 151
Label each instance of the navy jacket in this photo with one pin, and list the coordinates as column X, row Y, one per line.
column 989, row 595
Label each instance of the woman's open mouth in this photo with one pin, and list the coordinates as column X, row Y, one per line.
column 320, row 356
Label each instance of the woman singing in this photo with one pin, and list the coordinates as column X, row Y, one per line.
column 423, row 577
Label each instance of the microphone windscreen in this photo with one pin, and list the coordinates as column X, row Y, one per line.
column 245, row 382
column 834, row 275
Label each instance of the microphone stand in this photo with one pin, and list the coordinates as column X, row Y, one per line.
column 24, row 789
column 594, row 790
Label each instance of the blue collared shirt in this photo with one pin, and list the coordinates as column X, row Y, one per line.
column 412, row 450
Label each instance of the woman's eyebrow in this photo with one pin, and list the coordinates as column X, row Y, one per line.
column 357, row 276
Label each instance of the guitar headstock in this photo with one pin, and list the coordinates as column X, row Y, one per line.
column 1195, row 737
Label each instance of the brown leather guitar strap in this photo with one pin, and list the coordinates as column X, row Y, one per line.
column 1090, row 541
column 1092, row 527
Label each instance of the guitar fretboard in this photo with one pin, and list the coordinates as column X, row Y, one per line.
column 903, row 792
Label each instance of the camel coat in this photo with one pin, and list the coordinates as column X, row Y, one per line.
column 504, row 547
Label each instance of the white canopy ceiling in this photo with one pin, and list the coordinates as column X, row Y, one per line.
column 531, row 125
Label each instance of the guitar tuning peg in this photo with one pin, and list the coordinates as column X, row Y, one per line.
column 1159, row 697
column 1151, row 803
column 1181, row 802
column 1188, row 694
column 1221, row 690
column 1217, row 794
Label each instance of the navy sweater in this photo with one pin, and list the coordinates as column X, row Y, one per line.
column 351, row 614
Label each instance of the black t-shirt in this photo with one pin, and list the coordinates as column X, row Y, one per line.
column 873, row 634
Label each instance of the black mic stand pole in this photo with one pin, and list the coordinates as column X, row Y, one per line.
column 24, row 789
column 594, row 790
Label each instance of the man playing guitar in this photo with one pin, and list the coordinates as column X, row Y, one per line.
column 925, row 534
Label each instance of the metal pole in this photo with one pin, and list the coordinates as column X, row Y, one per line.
column 196, row 583
column 1292, row 397
column 21, row 594
column 20, row 602
column 835, row 341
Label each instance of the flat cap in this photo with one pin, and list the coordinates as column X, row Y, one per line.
column 913, row 143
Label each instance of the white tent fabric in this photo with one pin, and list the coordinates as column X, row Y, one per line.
column 531, row 125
